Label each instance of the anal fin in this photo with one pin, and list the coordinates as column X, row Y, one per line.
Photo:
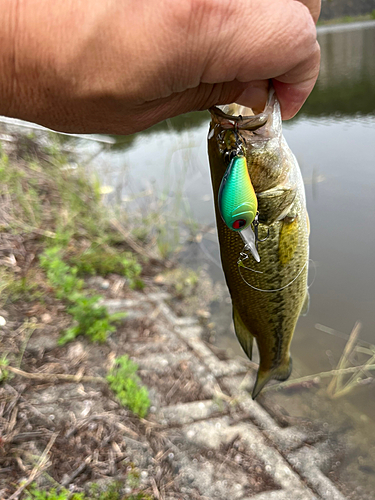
column 244, row 336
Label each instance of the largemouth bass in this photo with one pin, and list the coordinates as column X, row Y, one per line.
column 265, row 269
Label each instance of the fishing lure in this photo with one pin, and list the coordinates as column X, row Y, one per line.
column 238, row 203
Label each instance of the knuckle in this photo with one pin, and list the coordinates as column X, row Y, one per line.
column 302, row 30
column 197, row 25
column 203, row 21
column 293, row 35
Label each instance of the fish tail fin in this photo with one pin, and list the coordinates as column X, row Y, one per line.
column 244, row 336
column 282, row 372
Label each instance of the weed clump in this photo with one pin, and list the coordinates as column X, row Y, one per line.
column 45, row 194
column 35, row 493
column 4, row 373
column 104, row 261
column 113, row 492
column 126, row 385
column 91, row 319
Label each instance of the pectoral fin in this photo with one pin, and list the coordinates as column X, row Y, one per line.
column 244, row 336
column 273, row 203
column 306, row 305
column 308, row 223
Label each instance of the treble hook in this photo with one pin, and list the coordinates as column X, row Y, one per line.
column 239, row 139
column 256, row 231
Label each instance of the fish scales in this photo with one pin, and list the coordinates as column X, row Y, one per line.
column 271, row 316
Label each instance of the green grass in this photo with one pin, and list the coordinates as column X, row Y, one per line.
column 36, row 494
column 99, row 260
column 126, row 385
column 14, row 287
column 113, row 492
column 4, row 373
column 91, row 320
column 42, row 194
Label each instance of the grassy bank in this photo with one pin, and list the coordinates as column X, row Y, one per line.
column 52, row 212
column 347, row 19
column 57, row 242
column 76, row 405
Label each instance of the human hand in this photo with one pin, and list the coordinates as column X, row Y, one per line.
column 121, row 66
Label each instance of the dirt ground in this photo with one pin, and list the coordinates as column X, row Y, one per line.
column 73, row 432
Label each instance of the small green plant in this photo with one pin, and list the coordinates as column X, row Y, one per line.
column 184, row 281
column 112, row 492
column 91, row 319
column 104, row 261
column 60, row 275
column 133, row 477
column 21, row 288
column 4, row 373
column 34, row 493
column 139, row 496
column 126, row 385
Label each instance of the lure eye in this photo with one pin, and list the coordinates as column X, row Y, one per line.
column 237, row 224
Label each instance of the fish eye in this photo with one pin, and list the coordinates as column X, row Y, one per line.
column 237, row 224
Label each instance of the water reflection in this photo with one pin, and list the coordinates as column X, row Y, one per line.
column 345, row 86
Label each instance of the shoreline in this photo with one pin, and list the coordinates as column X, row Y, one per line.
column 196, row 413
column 349, row 26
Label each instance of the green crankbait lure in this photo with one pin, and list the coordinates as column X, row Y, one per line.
column 238, row 203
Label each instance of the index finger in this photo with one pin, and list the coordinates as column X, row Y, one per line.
column 291, row 92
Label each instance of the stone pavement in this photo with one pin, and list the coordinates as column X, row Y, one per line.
column 255, row 446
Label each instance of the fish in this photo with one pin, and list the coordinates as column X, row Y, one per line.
column 265, row 263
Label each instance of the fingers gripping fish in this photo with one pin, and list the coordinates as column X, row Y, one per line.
column 263, row 231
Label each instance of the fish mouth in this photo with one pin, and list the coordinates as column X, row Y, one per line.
column 231, row 116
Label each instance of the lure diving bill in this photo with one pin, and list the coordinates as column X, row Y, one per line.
column 263, row 231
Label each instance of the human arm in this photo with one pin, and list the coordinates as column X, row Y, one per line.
column 120, row 66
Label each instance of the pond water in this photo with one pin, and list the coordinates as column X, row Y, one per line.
column 333, row 138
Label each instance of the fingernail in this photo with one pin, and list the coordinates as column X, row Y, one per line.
column 254, row 98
